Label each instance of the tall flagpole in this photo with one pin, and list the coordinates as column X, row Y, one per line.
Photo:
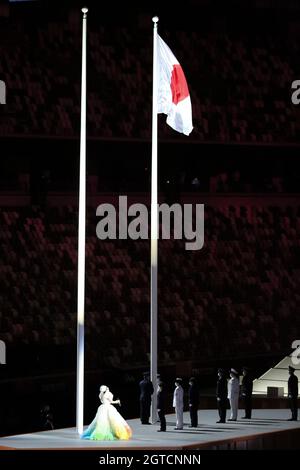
column 81, row 239
column 154, row 228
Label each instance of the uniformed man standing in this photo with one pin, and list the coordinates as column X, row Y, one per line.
column 246, row 391
column 146, row 391
column 233, row 394
column 221, row 393
column 193, row 402
column 293, row 393
column 178, row 403
column 161, row 406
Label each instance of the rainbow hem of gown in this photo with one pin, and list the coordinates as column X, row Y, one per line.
column 108, row 425
column 118, row 433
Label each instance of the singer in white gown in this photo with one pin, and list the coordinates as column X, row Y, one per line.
column 108, row 424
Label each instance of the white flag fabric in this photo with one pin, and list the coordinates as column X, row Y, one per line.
column 173, row 93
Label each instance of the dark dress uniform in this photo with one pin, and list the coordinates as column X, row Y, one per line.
column 293, row 395
column 161, row 409
column 146, row 391
column 193, row 404
column 246, row 389
column 221, row 393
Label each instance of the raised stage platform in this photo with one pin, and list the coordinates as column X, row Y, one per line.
column 266, row 430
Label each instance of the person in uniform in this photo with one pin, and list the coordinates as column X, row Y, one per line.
column 221, row 394
column 193, row 402
column 146, row 391
column 178, row 403
column 161, row 406
column 233, row 394
column 293, row 393
column 246, row 392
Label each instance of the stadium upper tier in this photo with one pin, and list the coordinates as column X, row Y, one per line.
column 240, row 84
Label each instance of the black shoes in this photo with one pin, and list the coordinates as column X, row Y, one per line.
column 161, row 430
column 220, row 421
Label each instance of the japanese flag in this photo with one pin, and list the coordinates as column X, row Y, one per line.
column 173, row 93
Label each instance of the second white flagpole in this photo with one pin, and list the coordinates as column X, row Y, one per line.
column 81, row 239
column 154, row 228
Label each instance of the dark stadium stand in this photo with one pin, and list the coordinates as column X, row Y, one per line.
column 240, row 88
column 235, row 297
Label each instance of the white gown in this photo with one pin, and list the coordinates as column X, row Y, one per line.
column 108, row 424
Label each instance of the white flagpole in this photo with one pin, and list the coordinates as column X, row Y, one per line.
column 81, row 239
column 154, row 229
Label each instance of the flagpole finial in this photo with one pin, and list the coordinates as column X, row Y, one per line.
column 84, row 11
column 155, row 19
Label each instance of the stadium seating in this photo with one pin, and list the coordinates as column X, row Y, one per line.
column 239, row 88
column 239, row 295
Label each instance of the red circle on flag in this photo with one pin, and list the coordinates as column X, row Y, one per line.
column 178, row 84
